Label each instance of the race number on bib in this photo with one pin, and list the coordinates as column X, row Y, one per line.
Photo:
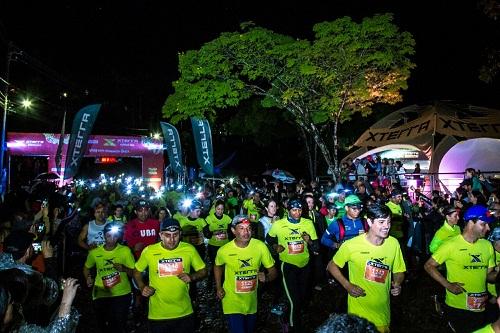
column 170, row 267
column 245, row 284
column 111, row 280
column 376, row 272
column 476, row 301
column 296, row 247
column 220, row 235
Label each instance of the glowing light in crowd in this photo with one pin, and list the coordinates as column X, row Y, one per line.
column 187, row 203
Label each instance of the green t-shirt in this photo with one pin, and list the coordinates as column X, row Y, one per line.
column 442, row 234
column 466, row 263
column 240, row 274
column 396, row 220
column 218, row 227
column 108, row 281
column 371, row 268
column 290, row 237
column 171, row 299
column 192, row 230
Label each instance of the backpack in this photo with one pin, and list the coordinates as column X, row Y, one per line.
column 342, row 228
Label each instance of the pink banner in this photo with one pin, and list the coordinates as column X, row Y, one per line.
column 45, row 144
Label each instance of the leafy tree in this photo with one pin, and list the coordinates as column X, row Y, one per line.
column 347, row 68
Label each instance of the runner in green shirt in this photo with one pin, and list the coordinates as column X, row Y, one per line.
column 448, row 230
column 293, row 238
column 240, row 261
column 216, row 229
column 111, row 292
column 470, row 263
column 376, row 269
column 169, row 263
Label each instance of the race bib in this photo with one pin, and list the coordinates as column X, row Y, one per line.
column 476, row 301
column 376, row 272
column 170, row 267
column 245, row 284
column 220, row 235
column 296, row 247
column 111, row 280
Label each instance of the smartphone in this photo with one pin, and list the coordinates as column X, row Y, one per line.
column 37, row 247
column 40, row 228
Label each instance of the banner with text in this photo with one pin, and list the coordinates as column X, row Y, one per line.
column 203, row 142
column 82, row 127
column 173, row 145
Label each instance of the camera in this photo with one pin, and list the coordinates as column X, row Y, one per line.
column 37, row 247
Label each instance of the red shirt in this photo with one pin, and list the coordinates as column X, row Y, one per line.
column 146, row 232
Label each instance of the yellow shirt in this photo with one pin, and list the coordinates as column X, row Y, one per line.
column 218, row 227
column 240, row 274
column 290, row 237
column 466, row 263
column 192, row 230
column 108, row 281
column 442, row 234
column 371, row 268
column 171, row 299
column 396, row 220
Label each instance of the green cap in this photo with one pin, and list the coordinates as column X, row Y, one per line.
column 352, row 200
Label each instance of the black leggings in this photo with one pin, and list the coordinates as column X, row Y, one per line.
column 111, row 313
column 296, row 288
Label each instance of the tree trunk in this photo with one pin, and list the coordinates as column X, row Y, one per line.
column 321, row 144
column 303, row 133
column 335, row 150
column 315, row 164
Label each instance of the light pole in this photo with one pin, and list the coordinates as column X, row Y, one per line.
column 11, row 51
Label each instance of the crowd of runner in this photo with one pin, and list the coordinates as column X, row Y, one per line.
column 144, row 255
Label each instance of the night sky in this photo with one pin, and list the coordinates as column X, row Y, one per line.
column 124, row 53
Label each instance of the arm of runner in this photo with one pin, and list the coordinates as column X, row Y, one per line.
column 123, row 268
column 431, row 268
column 198, row 275
column 218, row 272
column 146, row 291
column 82, row 237
column 272, row 273
column 273, row 241
column 352, row 289
column 329, row 239
column 88, row 278
column 492, row 275
column 397, row 280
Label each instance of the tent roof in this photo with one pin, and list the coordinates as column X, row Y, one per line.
column 415, row 124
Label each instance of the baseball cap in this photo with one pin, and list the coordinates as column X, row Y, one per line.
column 170, row 224
column 141, row 204
column 294, row 204
column 238, row 219
column 494, row 235
column 479, row 212
column 17, row 242
column 352, row 200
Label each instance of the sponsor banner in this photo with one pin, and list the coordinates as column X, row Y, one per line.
column 173, row 146
column 203, row 143
column 80, row 132
column 431, row 123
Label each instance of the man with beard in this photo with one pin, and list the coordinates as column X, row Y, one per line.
column 470, row 263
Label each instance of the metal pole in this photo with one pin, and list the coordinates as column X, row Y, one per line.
column 4, row 118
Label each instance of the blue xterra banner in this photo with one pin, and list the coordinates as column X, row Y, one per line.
column 173, row 145
column 203, row 142
column 80, row 132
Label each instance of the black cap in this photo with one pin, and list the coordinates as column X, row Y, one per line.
column 141, row 204
column 17, row 242
column 170, row 224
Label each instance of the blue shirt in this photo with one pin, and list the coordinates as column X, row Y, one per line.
column 352, row 229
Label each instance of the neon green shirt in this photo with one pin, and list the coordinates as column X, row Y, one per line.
column 218, row 229
column 396, row 220
column 122, row 219
column 108, row 281
column 371, row 268
column 192, row 230
column 171, row 299
column 240, row 274
column 290, row 237
column 442, row 234
column 466, row 263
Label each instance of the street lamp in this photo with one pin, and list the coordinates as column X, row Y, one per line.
column 26, row 103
